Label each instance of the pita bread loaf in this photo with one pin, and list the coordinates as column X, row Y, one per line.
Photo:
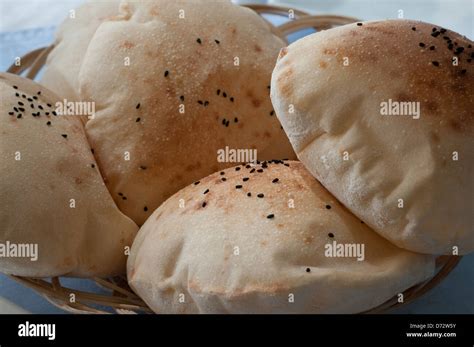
column 146, row 148
column 53, row 195
column 253, row 240
column 384, row 120
column 72, row 38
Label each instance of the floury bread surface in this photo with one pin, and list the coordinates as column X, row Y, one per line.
column 265, row 239
column 408, row 175
column 53, row 200
column 173, row 83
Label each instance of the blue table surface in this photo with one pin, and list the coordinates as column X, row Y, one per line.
column 453, row 295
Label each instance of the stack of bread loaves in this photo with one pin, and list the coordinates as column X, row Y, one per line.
column 378, row 193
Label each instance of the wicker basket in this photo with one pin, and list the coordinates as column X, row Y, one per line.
column 120, row 298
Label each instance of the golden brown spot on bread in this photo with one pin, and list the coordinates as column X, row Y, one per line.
column 255, row 102
column 308, row 239
column 127, row 45
column 267, row 134
column 435, row 137
column 330, row 51
column 78, row 180
column 257, row 48
column 263, row 243
column 154, row 12
column 455, row 125
column 323, row 64
column 283, row 52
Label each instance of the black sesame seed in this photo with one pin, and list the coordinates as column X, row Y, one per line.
column 435, row 63
column 54, row 113
column 459, row 49
column 252, row 171
column 23, row 96
column 21, row 109
column 137, row 120
column 432, row 48
column 11, row 113
column 238, row 186
column 120, row 194
column 450, row 46
column 15, row 109
column 308, row 269
column 328, row 207
column 49, row 105
column 167, row 73
column 224, row 94
column 413, row 28
column 421, row 44
column 446, row 37
column 217, row 41
column 30, row 99
column 181, row 97
column 124, row 198
column 223, row 121
column 287, row 165
column 145, row 208
column 270, row 216
column 138, row 106
column 196, row 183
column 200, row 102
column 227, row 123
column 32, row 106
column 245, row 179
column 92, row 150
column 248, row 166
column 218, row 91
column 39, row 93
column 20, row 103
column 260, row 170
column 92, row 165
column 47, row 113
column 463, row 71
column 236, row 120
column 237, row 168
column 260, row 195
column 268, row 87
column 272, row 113
column 442, row 31
column 222, row 172
column 48, row 123
column 199, row 41
column 435, row 33
column 223, row 179
column 359, row 24
column 16, row 94
column 35, row 97
column 64, row 135
column 40, row 107
column 206, row 103
column 275, row 180
column 19, row 116
column 249, row 194
column 206, row 191
column 15, row 87
column 231, row 99
column 204, row 204
column 331, row 235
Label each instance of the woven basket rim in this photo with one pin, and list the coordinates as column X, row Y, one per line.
column 121, row 298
